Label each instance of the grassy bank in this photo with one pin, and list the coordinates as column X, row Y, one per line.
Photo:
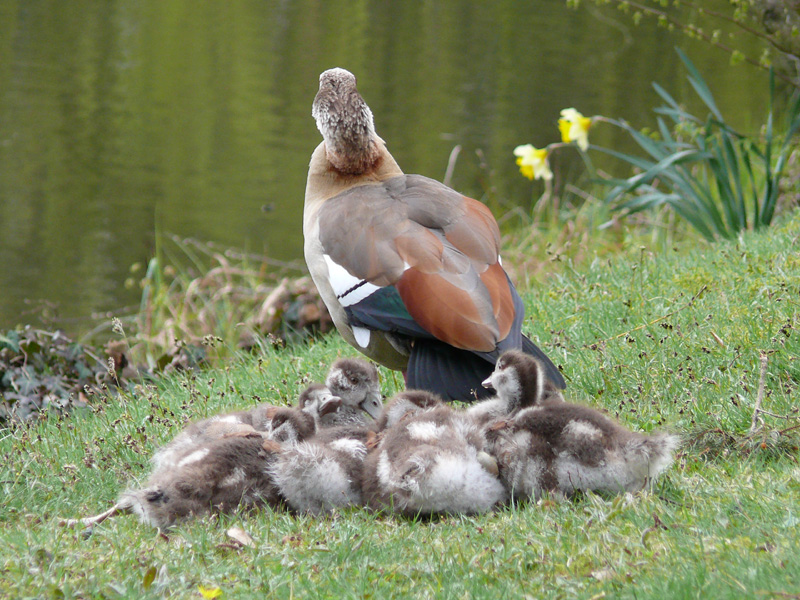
column 669, row 341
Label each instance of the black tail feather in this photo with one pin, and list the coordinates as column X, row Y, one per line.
column 456, row 374
column 452, row 373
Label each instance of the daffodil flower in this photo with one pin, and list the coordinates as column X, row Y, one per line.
column 533, row 162
column 574, row 127
column 209, row 593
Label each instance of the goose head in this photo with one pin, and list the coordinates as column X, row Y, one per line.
column 345, row 122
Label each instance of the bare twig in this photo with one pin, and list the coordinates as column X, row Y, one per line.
column 788, row 429
column 698, row 32
column 761, row 388
column 96, row 519
column 771, row 414
column 451, row 164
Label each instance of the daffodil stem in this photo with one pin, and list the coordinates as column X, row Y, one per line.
column 588, row 162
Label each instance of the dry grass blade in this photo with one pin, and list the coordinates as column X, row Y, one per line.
column 761, row 391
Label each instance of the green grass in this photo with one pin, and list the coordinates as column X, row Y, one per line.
column 663, row 341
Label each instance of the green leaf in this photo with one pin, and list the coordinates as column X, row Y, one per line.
column 649, row 200
column 8, row 342
column 656, row 170
column 699, row 85
column 149, row 578
column 674, row 111
column 735, row 176
column 737, row 57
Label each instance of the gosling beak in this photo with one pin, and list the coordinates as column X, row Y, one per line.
column 489, row 463
column 329, row 405
column 372, row 405
column 487, row 383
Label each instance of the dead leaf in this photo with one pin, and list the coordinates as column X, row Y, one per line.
column 240, row 536
column 717, row 339
column 603, row 574
column 209, row 593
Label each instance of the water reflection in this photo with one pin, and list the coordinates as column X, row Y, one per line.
column 126, row 118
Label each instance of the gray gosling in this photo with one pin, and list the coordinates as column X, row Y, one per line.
column 219, row 464
column 313, row 400
column 430, row 459
column 323, row 474
column 514, row 398
column 556, row 447
column 218, row 475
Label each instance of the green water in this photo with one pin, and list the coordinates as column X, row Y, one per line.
column 121, row 119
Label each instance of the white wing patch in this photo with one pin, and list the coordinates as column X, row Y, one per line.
column 362, row 336
column 349, row 290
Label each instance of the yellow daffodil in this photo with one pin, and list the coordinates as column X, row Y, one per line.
column 533, row 162
column 574, row 127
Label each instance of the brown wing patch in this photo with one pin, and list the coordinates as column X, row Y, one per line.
column 495, row 280
column 421, row 249
column 373, row 231
column 439, row 248
column 447, row 311
column 475, row 233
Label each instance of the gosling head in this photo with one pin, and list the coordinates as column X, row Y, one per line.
column 291, row 425
column 411, row 402
column 318, row 402
column 518, row 379
column 356, row 382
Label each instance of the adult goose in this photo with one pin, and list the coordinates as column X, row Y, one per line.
column 408, row 268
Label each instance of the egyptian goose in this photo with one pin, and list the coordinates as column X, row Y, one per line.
column 408, row 268
column 323, row 473
column 553, row 446
column 235, row 468
column 221, row 462
column 431, row 461
column 355, row 379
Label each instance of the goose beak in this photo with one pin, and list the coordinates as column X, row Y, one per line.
column 329, row 405
column 373, row 406
column 487, row 383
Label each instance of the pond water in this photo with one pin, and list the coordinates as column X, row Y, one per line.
column 124, row 120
